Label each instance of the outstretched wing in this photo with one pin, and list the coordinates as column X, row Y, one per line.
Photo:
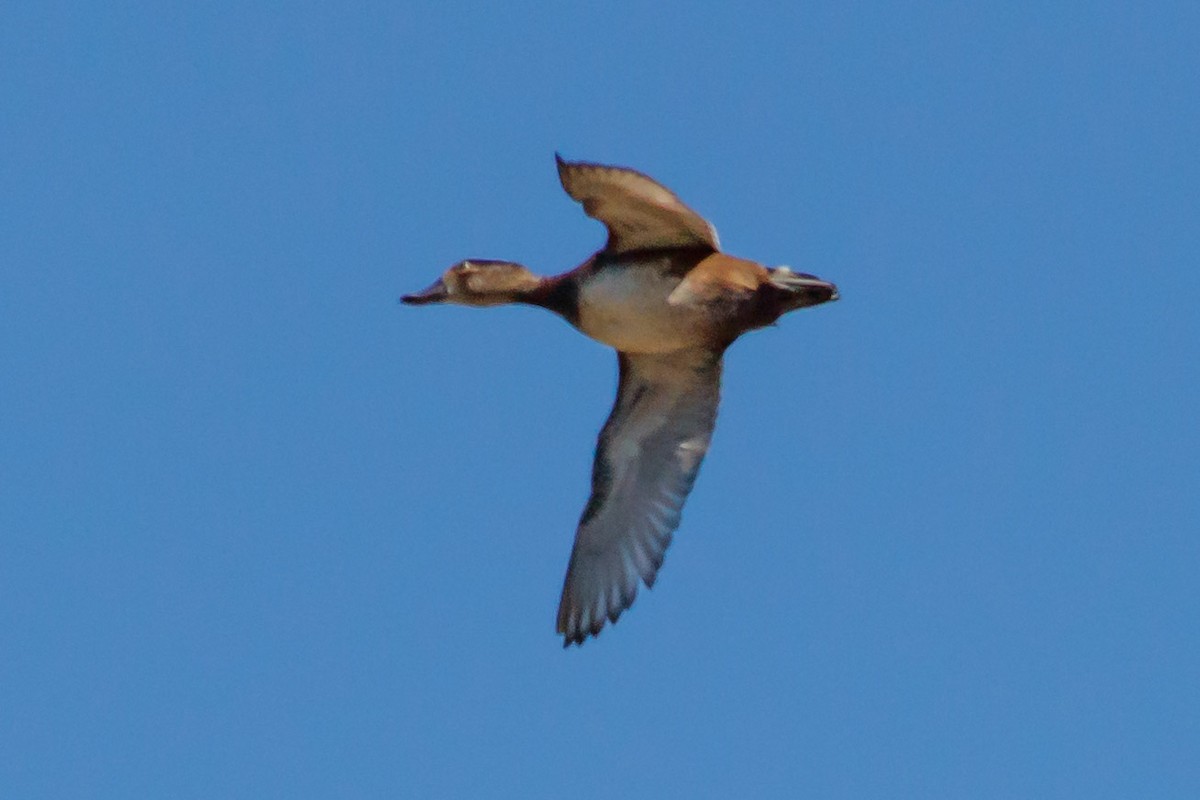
column 639, row 212
column 646, row 462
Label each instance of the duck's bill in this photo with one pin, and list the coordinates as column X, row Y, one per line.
column 434, row 294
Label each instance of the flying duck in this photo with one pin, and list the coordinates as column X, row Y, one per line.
column 668, row 300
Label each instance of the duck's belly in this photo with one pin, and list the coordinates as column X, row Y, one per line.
column 627, row 308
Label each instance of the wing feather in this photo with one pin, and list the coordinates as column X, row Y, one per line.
column 647, row 458
column 639, row 212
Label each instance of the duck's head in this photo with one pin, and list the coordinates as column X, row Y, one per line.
column 479, row 282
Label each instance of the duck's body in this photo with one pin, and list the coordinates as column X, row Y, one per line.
column 663, row 295
column 659, row 302
column 625, row 306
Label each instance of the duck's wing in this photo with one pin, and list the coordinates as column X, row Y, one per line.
column 639, row 212
column 646, row 462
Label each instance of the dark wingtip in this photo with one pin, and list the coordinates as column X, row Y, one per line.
column 563, row 167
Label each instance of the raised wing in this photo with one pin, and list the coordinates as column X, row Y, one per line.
column 646, row 462
column 639, row 212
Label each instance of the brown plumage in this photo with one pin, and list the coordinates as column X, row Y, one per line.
column 662, row 294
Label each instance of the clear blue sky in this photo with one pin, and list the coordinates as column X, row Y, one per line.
column 265, row 533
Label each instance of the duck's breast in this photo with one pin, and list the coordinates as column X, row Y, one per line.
column 625, row 306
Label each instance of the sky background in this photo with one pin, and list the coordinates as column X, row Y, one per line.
column 266, row 533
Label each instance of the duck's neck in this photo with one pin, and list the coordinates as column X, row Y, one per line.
column 559, row 294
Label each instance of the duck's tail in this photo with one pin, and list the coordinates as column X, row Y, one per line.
column 801, row 289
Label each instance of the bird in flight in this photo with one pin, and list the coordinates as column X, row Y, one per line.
column 668, row 300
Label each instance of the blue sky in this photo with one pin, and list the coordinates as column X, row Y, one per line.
column 265, row 533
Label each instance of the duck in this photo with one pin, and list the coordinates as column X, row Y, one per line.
column 670, row 302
